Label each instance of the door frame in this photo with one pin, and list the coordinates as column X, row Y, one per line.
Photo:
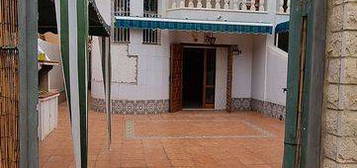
column 229, row 69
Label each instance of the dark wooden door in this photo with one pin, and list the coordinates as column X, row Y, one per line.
column 209, row 78
column 176, row 76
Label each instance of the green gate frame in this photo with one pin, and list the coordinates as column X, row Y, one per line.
column 304, row 101
column 28, row 122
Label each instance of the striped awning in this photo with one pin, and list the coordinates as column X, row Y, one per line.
column 282, row 27
column 193, row 25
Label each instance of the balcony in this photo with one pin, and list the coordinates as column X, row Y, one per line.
column 255, row 11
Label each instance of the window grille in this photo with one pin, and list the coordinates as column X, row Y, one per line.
column 151, row 36
column 121, row 8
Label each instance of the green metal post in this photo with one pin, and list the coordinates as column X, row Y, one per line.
column 28, row 124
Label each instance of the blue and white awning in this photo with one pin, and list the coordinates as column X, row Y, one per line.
column 192, row 25
column 282, row 27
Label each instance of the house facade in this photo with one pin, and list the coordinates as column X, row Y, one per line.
column 192, row 54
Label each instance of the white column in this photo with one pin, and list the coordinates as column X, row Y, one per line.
column 252, row 5
column 190, row 4
column 226, row 4
column 208, row 4
column 261, row 5
column 235, row 5
column 281, row 6
column 199, row 3
column 174, row 4
column 244, row 5
column 218, row 4
column 182, row 3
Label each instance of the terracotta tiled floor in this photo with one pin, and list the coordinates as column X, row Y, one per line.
column 184, row 139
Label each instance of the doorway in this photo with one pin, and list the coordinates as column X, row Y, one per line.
column 199, row 74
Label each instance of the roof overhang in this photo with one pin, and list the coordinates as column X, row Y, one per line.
column 282, row 27
column 193, row 25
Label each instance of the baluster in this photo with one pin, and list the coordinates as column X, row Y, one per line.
column 244, row 5
column 190, row 4
column 261, row 5
column 218, row 4
column 235, row 5
column 182, row 3
column 288, row 7
column 199, row 3
column 252, row 5
column 174, row 4
column 226, row 4
column 208, row 4
column 282, row 6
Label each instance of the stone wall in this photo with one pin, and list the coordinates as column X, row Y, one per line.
column 340, row 112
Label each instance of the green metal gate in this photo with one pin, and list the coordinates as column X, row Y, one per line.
column 305, row 83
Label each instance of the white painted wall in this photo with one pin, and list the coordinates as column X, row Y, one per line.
column 146, row 77
column 242, row 73
column 143, row 77
column 104, row 7
column 259, row 68
column 276, row 75
column 269, row 72
column 221, row 78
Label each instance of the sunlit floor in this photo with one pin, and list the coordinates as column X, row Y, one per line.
column 183, row 139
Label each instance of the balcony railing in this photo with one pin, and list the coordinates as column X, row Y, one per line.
column 228, row 5
column 284, row 7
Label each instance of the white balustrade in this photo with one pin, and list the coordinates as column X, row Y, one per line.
column 174, row 5
column 208, row 4
column 182, row 3
column 252, row 5
column 199, row 4
column 244, row 5
column 282, row 10
column 218, row 4
column 235, row 5
column 226, row 4
column 288, row 7
column 261, row 5
column 190, row 4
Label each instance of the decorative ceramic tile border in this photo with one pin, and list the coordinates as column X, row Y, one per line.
column 242, row 104
column 132, row 106
column 268, row 108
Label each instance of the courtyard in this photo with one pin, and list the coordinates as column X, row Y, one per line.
column 182, row 139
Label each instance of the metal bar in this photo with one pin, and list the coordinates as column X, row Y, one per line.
column 28, row 83
column 311, row 144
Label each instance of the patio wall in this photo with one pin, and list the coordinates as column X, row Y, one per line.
column 269, row 73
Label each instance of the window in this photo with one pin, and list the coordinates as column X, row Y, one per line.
column 151, row 36
column 121, row 8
